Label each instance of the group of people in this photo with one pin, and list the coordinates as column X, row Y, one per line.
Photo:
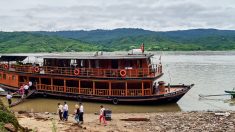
column 64, row 109
column 24, row 89
column 78, row 112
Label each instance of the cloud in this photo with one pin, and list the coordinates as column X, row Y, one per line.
column 155, row 15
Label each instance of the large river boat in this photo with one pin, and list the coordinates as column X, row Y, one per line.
column 100, row 77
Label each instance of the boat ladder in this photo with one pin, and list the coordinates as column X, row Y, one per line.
column 22, row 99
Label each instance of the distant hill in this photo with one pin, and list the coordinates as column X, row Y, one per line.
column 116, row 40
column 24, row 42
column 125, row 39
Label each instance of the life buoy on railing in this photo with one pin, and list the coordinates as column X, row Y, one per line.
column 115, row 101
column 123, row 73
column 76, row 72
column 36, row 69
column 6, row 66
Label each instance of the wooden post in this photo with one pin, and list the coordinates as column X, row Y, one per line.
column 79, row 86
column 93, row 87
column 126, row 88
column 142, row 88
column 40, row 84
column 64, row 85
column 110, row 92
column 51, row 84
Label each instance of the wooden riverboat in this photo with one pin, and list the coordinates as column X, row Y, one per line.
column 100, row 77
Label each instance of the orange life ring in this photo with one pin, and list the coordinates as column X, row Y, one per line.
column 123, row 73
column 76, row 72
column 6, row 66
column 36, row 69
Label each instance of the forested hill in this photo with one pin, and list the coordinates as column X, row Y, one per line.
column 126, row 38
column 116, row 40
column 24, row 42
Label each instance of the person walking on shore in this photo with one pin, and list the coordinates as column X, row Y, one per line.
column 102, row 114
column 60, row 111
column 77, row 113
column 65, row 110
column 81, row 113
column 9, row 96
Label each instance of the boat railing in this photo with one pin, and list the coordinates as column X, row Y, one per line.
column 118, row 92
column 134, row 92
column 91, row 91
column 101, row 92
column 147, row 91
column 88, row 91
column 87, row 72
column 71, row 90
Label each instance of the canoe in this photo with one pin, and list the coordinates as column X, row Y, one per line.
column 232, row 92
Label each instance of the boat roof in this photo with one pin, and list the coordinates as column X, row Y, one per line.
column 85, row 56
column 98, row 57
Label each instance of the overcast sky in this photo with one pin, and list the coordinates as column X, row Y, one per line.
column 157, row 15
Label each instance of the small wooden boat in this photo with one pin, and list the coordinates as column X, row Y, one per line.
column 232, row 92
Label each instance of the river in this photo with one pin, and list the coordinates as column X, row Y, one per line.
column 211, row 72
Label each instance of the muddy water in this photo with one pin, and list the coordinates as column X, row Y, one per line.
column 50, row 105
column 211, row 72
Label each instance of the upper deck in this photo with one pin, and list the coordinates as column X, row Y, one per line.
column 100, row 65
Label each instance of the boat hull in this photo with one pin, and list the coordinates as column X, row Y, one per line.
column 171, row 97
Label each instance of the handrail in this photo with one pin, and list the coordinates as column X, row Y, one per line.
column 87, row 72
column 89, row 91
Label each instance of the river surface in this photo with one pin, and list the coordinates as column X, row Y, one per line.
column 211, row 72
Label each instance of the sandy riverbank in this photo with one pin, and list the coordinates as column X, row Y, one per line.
column 168, row 121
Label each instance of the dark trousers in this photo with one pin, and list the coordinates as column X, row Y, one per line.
column 26, row 92
column 65, row 115
column 81, row 116
column 60, row 114
column 9, row 101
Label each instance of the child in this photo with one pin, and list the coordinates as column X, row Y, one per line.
column 102, row 114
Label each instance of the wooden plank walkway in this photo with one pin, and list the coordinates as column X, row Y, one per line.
column 22, row 99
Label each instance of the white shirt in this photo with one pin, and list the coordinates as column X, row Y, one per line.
column 30, row 83
column 60, row 107
column 81, row 108
column 9, row 96
column 102, row 111
column 26, row 87
column 66, row 107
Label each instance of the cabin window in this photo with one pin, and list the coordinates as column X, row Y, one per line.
column 86, row 84
column 96, row 63
column 114, row 64
column 139, row 63
column 72, row 83
column 58, row 82
column 82, row 63
column 118, row 85
column 4, row 76
column 46, row 81
column 134, row 85
column 101, row 85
